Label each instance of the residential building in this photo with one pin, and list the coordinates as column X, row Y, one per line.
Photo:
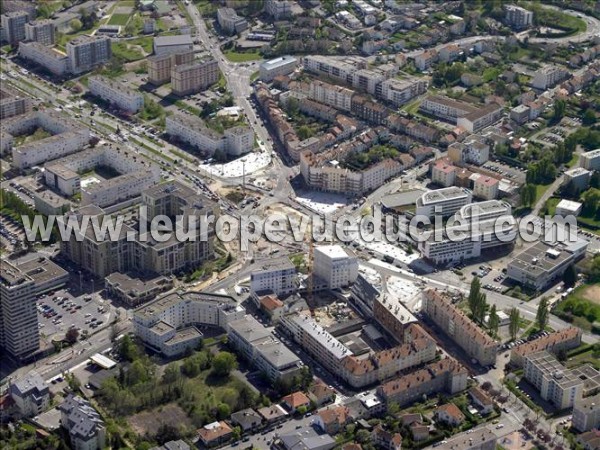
column 30, row 394
column 295, row 400
column 446, row 375
column 473, row 150
column 556, row 383
column 483, row 117
column 168, row 324
column 398, row 91
column 230, row 22
column 549, row 76
column 306, row 438
column 425, row 60
column 272, row 414
column 338, row 97
column 568, row 208
column 13, row 24
column 486, row 188
column 372, row 112
column 135, row 291
column 194, row 77
column 247, row 419
column 13, row 103
column 442, row 173
column 320, row 394
column 444, row 202
column 577, row 179
column 83, row 423
column 384, row 439
column 457, row 325
column 590, row 160
column 554, row 342
column 333, row 419
column 482, row 400
column 238, row 140
column 173, row 445
column 590, row 440
column 278, row 9
column 277, row 275
column 586, row 413
column 339, row 69
column 480, row 439
column 520, row 114
column 160, row 66
column 19, row 331
column 181, row 43
column 88, row 52
column 215, row 433
column 336, row 265
column 517, row 17
column 123, row 97
column 544, row 262
column 258, row 345
column 449, row 414
column 49, row 58
column 42, row 31
column 282, row 65
column 449, row 53
column 470, row 117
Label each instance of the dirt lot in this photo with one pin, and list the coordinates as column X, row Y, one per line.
column 592, row 293
column 148, row 422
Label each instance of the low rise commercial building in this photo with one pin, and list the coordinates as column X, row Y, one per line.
column 554, row 342
column 83, row 423
column 160, row 66
column 30, row 394
column 444, row 202
column 194, row 77
column 173, row 44
column 462, row 330
column 230, row 22
column 568, row 208
column 282, row 65
column 544, row 262
column 123, row 97
column 336, row 265
column 135, row 291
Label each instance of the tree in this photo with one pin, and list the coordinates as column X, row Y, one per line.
column 589, row 117
column 474, row 294
column 514, row 323
column 171, row 375
column 72, row 335
column 223, row 411
column 570, row 276
column 559, row 109
column 493, row 321
column 528, row 194
column 75, row 25
column 224, row 363
column 127, row 349
column 541, row 316
column 591, row 202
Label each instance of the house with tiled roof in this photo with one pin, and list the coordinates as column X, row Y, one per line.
column 320, row 394
column 295, row 400
column 385, row 439
column 482, row 400
column 449, row 414
column 419, row 431
column 409, row 419
column 272, row 414
column 590, row 440
column 333, row 419
column 215, row 433
column 565, row 339
column 247, row 419
column 271, row 306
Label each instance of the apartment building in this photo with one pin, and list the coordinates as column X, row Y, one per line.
column 194, row 77
column 549, row 76
column 555, row 382
column 117, row 94
column 565, row 339
column 181, row 43
column 455, row 323
column 517, row 17
column 425, row 60
column 83, row 423
column 586, row 413
column 442, row 173
column 398, row 91
column 481, row 118
column 230, row 22
column 336, row 265
column 135, row 291
column 371, row 112
column 590, row 160
column 412, row 128
column 370, row 80
column 88, row 52
column 332, row 95
column 277, row 275
column 238, row 140
column 13, row 23
column 479, row 439
column 49, row 58
column 168, row 325
column 543, row 263
column 473, row 150
column 446, row 375
column 278, row 9
column 342, row 69
column 118, row 189
column 13, row 103
column 160, row 66
column 283, row 65
column 30, row 394
column 42, row 31
column 445, row 108
column 485, row 187
column 578, row 179
column 444, row 202
column 263, row 350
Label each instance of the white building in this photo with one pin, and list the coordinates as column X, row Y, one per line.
column 47, row 57
column 88, row 52
column 590, row 160
column 282, row 65
column 173, row 44
column 472, row 151
column 578, row 179
column 30, row 394
column 444, row 202
column 340, row 69
column 549, row 76
column 336, row 265
column 42, row 31
column 239, row 140
column 568, row 208
column 13, row 103
column 230, row 22
column 517, row 17
column 399, row 92
column 443, row 174
column 277, row 275
column 338, row 97
column 118, row 94
column 586, row 413
column 83, row 423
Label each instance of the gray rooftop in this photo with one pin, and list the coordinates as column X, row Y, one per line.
column 250, row 329
column 181, row 39
column 30, row 384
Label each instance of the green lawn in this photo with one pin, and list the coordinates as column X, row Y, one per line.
column 121, row 51
column 540, row 189
column 144, row 42
column 573, row 160
column 119, row 19
column 491, row 73
column 551, row 205
column 242, row 57
column 582, row 307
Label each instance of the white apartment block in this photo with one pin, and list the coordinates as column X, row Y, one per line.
column 83, row 423
column 476, row 227
column 47, row 57
column 13, row 24
column 336, row 265
column 481, row 118
column 19, row 331
column 230, row 22
column 282, row 65
column 12, row 103
column 369, row 80
column 338, row 97
column 168, row 324
column 556, row 384
column 194, row 77
column 443, row 174
column 30, row 394
column 173, row 44
column 117, row 189
column 485, row 187
column 425, row 60
column 468, row 116
column 517, row 17
column 42, row 31
column 239, row 140
column 278, row 9
column 590, row 160
column 277, row 275
column 88, row 52
column 399, row 92
column 549, row 76
column 472, row 151
column 444, row 202
column 117, row 94
column 337, row 68
column 586, row 413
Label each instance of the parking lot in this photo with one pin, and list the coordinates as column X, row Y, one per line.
column 59, row 311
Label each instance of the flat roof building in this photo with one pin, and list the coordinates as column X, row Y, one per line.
column 125, row 98
column 282, row 65
column 444, row 202
column 173, row 44
column 194, row 77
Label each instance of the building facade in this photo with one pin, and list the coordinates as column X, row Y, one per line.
column 194, row 77
column 336, row 265
column 277, row 276
column 88, row 52
column 125, row 98
column 160, row 66
column 282, row 65
column 42, row 31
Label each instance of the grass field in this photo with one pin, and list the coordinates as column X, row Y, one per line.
column 119, row 19
column 242, row 57
column 582, row 306
column 122, row 51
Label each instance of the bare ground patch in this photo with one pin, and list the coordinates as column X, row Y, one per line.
column 148, row 422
